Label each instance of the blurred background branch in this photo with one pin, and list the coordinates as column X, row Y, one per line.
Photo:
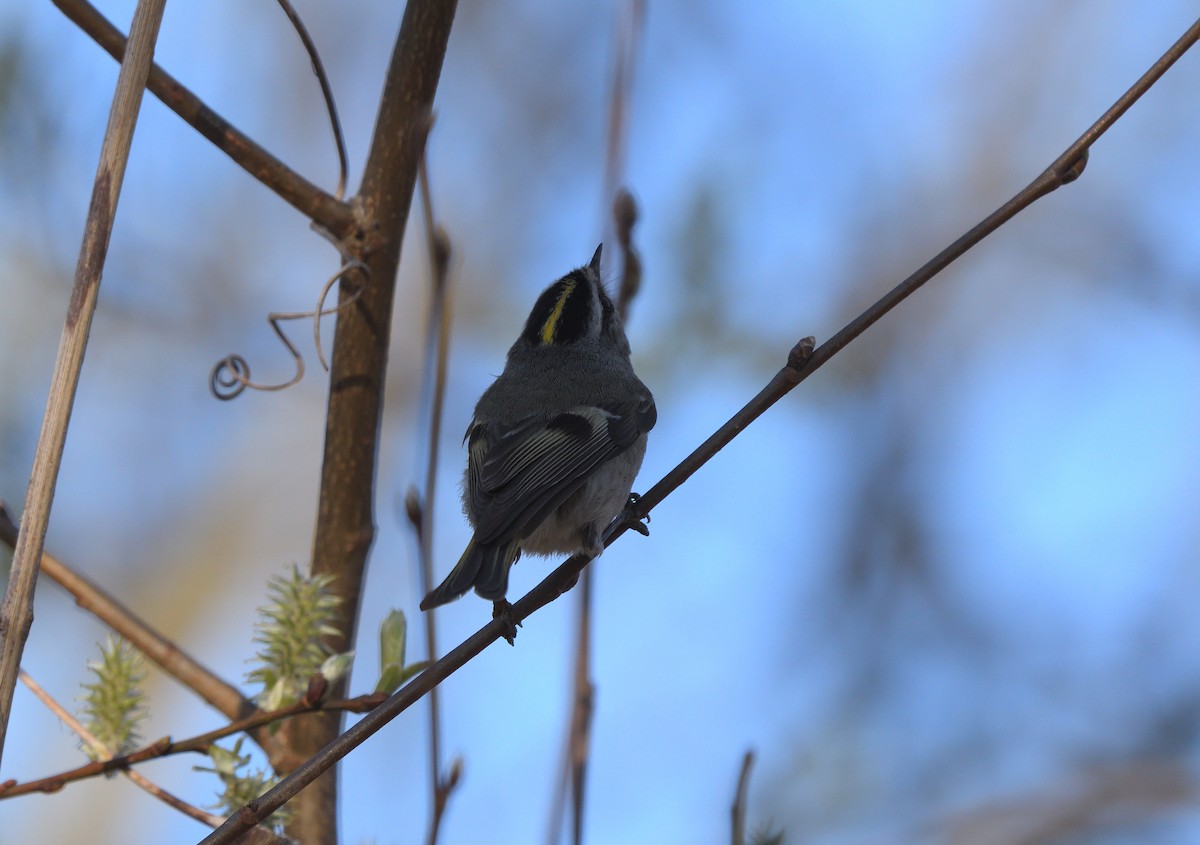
column 420, row 506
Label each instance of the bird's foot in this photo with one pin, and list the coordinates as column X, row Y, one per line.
column 631, row 517
column 502, row 612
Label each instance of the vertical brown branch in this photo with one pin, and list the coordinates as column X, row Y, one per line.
column 16, row 613
column 738, row 811
column 345, row 514
column 581, row 712
column 437, row 354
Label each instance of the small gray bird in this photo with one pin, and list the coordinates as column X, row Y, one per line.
column 556, row 441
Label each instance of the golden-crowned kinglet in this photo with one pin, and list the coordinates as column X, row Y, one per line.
column 556, row 440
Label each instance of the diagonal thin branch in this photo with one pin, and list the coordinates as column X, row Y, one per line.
column 257, row 836
column 166, row 747
column 16, row 612
column 167, row 655
column 218, row 693
column 98, row 748
column 802, row 362
column 323, row 208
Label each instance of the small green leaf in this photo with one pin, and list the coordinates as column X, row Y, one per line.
column 393, row 632
column 389, row 680
column 336, row 665
column 394, row 677
column 413, row 669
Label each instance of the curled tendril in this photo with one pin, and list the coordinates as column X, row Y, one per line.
column 231, row 375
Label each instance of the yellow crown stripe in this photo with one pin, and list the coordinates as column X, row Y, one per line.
column 550, row 327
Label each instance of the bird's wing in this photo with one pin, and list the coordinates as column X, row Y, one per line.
column 518, row 477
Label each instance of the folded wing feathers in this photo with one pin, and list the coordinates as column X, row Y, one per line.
column 534, row 468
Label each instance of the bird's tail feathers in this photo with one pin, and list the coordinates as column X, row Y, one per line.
column 483, row 567
column 491, row 582
column 460, row 579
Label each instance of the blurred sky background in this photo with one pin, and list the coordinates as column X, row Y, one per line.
column 946, row 589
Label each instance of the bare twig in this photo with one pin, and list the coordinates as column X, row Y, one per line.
column 99, row 750
column 572, row 774
column 582, row 708
column 16, row 612
column 802, row 362
column 1085, row 806
column 166, row 747
column 625, row 216
column 326, row 92
column 631, row 15
column 160, row 650
column 324, row 209
column 437, row 352
column 738, row 812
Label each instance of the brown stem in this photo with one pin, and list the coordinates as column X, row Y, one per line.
column 583, row 707
column 437, row 353
column 345, row 514
column 16, row 612
column 328, row 211
column 738, row 812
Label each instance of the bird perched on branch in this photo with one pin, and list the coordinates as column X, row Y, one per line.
column 555, row 442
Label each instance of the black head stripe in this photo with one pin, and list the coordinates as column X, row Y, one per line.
column 562, row 313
